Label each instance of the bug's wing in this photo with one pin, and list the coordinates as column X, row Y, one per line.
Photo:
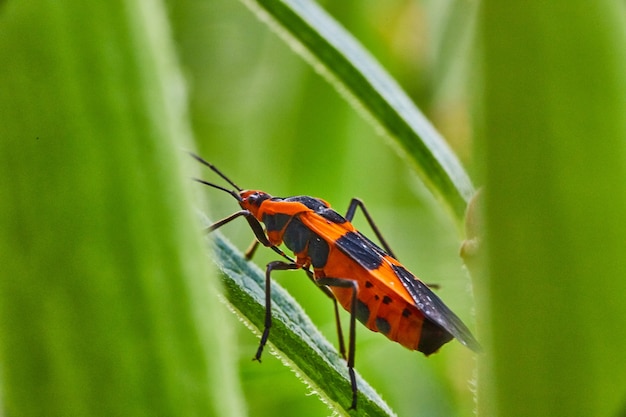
column 434, row 308
column 372, row 258
column 367, row 254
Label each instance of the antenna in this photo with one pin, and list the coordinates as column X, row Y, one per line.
column 218, row 172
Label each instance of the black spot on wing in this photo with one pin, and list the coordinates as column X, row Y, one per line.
column 436, row 311
column 361, row 249
column 383, row 325
column 362, row 311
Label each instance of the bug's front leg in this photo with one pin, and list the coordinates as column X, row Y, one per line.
column 228, row 219
column 272, row 266
column 257, row 229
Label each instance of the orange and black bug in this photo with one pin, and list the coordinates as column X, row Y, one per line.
column 366, row 280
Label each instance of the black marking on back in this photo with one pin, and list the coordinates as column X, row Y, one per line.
column 318, row 251
column 275, row 222
column 387, row 300
column 319, row 207
column 361, row 249
column 313, row 203
column 331, row 215
column 436, row 312
column 297, row 235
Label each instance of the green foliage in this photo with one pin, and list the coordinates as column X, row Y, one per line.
column 552, row 102
column 107, row 304
column 107, row 299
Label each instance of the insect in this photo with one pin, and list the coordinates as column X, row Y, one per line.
column 368, row 281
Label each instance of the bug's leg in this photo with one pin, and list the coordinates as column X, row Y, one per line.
column 262, row 238
column 354, row 203
column 348, row 283
column 249, row 253
column 342, row 345
column 272, row 266
column 228, row 219
column 329, row 294
column 251, row 249
column 257, row 229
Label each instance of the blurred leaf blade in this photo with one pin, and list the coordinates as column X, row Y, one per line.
column 104, row 290
column 555, row 206
column 356, row 74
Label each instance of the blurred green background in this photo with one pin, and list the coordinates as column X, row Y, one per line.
column 108, row 303
column 270, row 122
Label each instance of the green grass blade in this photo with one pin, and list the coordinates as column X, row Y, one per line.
column 300, row 344
column 338, row 56
column 105, row 307
column 553, row 131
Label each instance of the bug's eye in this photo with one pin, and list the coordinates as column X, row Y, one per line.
column 254, row 198
column 257, row 198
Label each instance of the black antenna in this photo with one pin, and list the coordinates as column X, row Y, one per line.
column 210, row 184
column 214, row 169
column 219, row 187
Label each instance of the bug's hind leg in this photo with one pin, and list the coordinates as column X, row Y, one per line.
column 348, row 283
column 354, row 204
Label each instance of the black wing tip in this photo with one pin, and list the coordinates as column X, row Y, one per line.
column 470, row 342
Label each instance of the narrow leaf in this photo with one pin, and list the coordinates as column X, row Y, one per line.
column 356, row 74
column 298, row 341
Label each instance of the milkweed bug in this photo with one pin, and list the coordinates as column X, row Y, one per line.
column 369, row 282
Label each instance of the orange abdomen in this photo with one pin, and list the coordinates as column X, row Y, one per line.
column 384, row 306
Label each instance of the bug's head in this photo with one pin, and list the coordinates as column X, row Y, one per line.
column 251, row 200
column 248, row 200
